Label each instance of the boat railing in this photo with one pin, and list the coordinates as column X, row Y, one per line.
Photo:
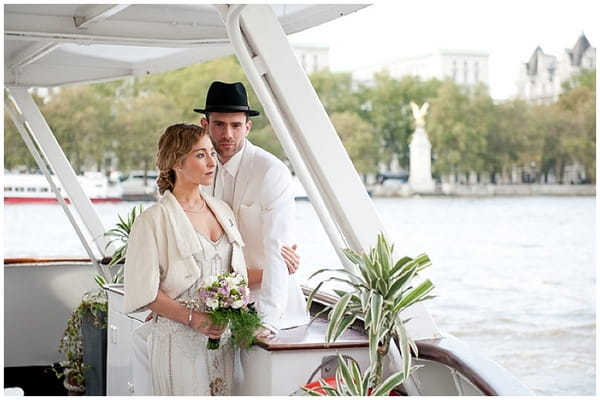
column 449, row 358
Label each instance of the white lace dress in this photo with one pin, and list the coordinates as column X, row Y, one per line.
column 180, row 362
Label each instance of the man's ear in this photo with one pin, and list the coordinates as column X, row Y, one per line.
column 248, row 126
column 204, row 122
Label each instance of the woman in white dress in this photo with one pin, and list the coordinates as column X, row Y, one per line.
column 174, row 246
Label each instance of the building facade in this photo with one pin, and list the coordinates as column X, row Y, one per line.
column 312, row 58
column 541, row 78
column 463, row 67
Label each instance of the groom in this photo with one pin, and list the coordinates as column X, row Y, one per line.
column 258, row 187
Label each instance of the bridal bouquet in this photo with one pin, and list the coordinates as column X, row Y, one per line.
column 227, row 300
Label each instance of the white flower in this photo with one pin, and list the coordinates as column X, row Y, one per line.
column 233, row 280
column 237, row 304
column 212, row 303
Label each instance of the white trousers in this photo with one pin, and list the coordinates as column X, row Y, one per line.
column 142, row 376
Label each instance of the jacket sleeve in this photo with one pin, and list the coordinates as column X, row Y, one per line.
column 278, row 227
column 142, row 269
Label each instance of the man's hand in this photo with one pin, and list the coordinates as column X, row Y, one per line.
column 291, row 258
column 264, row 333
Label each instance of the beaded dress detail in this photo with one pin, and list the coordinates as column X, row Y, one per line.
column 181, row 363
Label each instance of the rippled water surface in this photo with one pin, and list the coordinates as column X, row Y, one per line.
column 515, row 277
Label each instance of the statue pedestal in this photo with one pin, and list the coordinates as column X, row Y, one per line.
column 420, row 163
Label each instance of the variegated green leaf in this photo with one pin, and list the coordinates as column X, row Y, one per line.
column 336, row 317
column 312, row 294
column 391, row 382
column 399, row 265
column 346, row 321
column 415, row 295
column 375, row 311
column 422, row 262
column 346, row 375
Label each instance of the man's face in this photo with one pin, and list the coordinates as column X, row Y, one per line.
column 227, row 131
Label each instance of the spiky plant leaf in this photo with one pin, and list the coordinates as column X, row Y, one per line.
column 415, row 295
column 390, row 383
column 336, row 318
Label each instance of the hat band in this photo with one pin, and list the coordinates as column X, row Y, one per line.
column 228, row 107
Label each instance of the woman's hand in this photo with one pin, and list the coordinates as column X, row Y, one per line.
column 203, row 324
column 291, row 258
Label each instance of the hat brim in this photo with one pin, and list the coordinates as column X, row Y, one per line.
column 252, row 113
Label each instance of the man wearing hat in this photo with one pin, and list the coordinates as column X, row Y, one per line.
column 258, row 187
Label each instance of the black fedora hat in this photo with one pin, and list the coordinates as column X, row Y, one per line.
column 225, row 98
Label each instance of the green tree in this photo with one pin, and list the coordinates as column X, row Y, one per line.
column 358, row 139
column 265, row 137
column 16, row 153
column 480, row 118
column 386, row 105
column 140, row 122
column 507, row 136
column 577, row 107
column 82, row 121
column 335, row 91
column 448, row 129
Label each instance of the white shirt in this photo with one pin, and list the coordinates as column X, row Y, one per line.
column 225, row 183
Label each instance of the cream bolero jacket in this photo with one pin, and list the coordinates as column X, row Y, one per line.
column 160, row 251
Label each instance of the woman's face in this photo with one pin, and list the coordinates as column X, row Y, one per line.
column 198, row 166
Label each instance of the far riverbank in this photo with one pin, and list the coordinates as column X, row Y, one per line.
column 485, row 190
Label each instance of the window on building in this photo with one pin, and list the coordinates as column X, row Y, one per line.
column 303, row 61
column 466, row 71
column 315, row 62
column 454, row 70
column 476, row 71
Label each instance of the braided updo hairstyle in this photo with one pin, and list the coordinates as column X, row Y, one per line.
column 173, row 145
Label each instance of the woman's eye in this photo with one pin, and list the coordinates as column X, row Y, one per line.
column 200, row 155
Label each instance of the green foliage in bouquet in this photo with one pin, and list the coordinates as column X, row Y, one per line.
column 242, row 324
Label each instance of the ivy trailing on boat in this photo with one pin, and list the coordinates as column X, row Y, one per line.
column 93, row 307
column 381, row 290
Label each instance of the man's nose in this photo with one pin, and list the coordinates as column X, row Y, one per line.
column 228, row 131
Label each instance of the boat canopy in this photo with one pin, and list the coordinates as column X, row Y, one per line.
column 47, row 45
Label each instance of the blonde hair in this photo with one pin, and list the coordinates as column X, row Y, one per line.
column 173, row 145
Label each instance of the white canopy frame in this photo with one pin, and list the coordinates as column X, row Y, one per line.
column 309, row 139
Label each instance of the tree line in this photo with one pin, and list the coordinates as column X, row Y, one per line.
column 469, row 132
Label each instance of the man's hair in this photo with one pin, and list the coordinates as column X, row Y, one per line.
column 207, row 115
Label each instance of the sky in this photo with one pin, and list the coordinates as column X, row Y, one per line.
column 508, row 30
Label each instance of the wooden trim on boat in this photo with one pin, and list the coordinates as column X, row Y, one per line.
column 312, row 337
column 50, row 260
column 42, row 260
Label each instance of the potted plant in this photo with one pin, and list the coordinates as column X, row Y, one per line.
column 84, row 339
column 91, row 311
column 380, row 291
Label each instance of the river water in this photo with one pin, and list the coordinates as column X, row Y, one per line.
column 515, row 276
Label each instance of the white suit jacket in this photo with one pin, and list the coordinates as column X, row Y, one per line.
column 160, row 251
column 264, row 207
